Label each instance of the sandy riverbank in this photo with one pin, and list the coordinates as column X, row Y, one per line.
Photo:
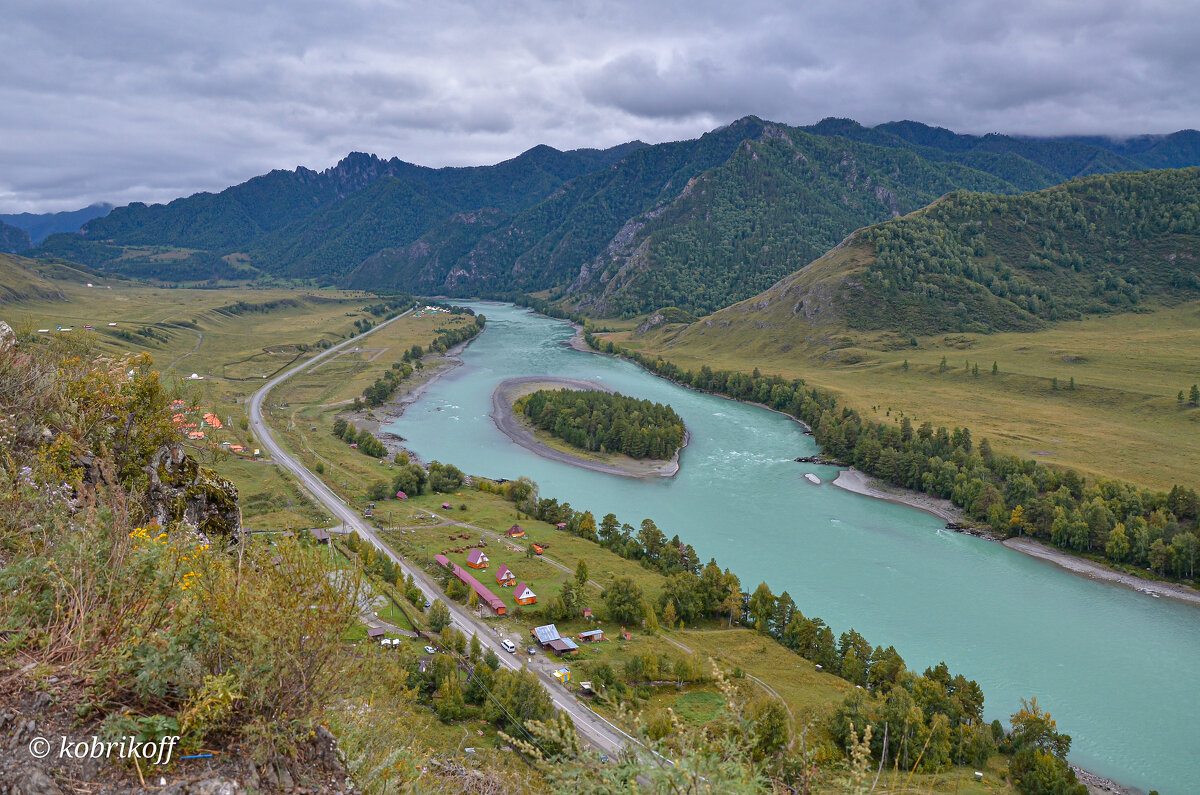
column 410, row 391
column 1095, row 571
column 512, row 426
column 862, row 483
column 576, row 342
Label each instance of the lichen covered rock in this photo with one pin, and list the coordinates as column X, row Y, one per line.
column 8, row 339
column 181, row 490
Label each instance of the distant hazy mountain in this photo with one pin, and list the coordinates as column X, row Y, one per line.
column 41, row 225
column 13, row 239
column 311, row 224
column 695, row 224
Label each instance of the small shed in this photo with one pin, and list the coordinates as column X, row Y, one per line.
column 591, row 636
column 516, row 531
column 505, row 577
column 320, row 534
column 563, row 675
column 562, row 646
column 401, row 495
column 445, row 505
column 374, row 633
column 477, row 560
column 524, row 595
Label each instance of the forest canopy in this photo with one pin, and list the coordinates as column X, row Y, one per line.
column 605, row 422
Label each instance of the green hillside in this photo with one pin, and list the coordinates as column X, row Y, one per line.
column 974, row 262
column 24, row 279
column 779, row 201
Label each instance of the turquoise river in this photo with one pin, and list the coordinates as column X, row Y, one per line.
column 1120, row 671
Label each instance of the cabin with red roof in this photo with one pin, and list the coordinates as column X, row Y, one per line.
column 524, row 595
column 477, row 560
column 505, row 577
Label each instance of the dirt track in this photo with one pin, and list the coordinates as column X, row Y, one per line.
column 510, row 425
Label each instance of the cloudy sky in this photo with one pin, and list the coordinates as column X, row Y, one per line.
column 147, row 100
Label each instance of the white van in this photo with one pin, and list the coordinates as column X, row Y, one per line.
column 508, row 646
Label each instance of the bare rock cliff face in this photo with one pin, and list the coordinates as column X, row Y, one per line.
column 183, row 491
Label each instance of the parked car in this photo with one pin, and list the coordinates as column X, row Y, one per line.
column 531, row 650
column 430, row 650
column 508, row 646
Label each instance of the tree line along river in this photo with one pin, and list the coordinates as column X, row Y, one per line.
column 1118, row 670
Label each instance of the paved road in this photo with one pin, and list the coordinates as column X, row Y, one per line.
column 590, row 726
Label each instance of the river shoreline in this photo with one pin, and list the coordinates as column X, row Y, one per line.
column 860, row 483
column 1095, row 571
column 853, row 480
column 507, row 422
column 377, row 419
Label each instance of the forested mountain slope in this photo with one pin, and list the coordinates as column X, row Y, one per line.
column 975, row 262
column 277, row 216
column 13, row 239
column 780, row 200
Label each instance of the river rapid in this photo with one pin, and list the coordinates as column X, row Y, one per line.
column 1118, row 670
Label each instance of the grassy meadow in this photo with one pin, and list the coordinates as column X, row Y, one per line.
column 1122, row 419
column 233, row 348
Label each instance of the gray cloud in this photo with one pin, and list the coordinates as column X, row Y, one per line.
column 147, row 101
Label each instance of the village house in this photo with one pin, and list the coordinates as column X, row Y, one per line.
column 477, row 560
column 486, row 596
column 548, row 638
column 524, row 594
column 505, row 577
column 516, row 531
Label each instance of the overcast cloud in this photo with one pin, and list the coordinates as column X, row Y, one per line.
column 147, row 100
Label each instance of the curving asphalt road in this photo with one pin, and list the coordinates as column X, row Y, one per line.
column 590, row 726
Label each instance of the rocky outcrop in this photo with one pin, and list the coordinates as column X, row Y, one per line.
column 8, row 338
column 181, row 490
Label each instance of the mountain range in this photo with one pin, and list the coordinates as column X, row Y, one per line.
column 696, row 224
column 40, row 226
